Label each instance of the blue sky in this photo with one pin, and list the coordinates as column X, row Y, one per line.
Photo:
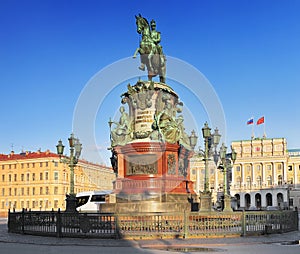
column 49, row 50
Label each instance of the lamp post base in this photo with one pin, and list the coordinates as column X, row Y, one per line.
column 71, row 203
column 227, row 204
column 205, row 202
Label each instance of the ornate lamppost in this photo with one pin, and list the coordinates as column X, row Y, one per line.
column 210, row 140
column 225, row 163
column 193, row 139
column 72, row 160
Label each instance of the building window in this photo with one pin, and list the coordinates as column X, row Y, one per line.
column 22, row 177
column 238, row 181
column 9, row 166
column 47, row 190
column 41, row 190
column 9, row 191
column 28, row 191
column 15, row 177
column 33, row 165
column 258, row 179
column 46, row 176
column 248, row 182
column 33, row 191
column 279, row 166
column 22, row 165
column 290, row 168
column 280, row 180
column 56, row 175
column 41, row 176
column 46, row 164
column 33, row 176
column 27, row 165
column 3, row 178
column 55, row 190
column 55, row 164
column 22, row 192
column 9, row 177
column 33, row 204
column 238, row 168
column 3, row 192
column 28, row 177
column 41, row 164
column 269, row 180
column 3, row 166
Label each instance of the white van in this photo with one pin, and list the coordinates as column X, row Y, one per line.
column 90, row 201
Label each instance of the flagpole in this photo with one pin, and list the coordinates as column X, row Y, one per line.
column 264, row 136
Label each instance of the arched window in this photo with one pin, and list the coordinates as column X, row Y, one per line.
column 238, row 200
column 247, row 201
column 269, row 199
column 258, row 200
column 280, row 200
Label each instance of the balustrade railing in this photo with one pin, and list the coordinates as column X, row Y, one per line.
column 152, row 225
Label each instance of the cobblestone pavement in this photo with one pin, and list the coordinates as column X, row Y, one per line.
column 274, row 243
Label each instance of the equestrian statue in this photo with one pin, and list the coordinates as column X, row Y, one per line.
column 150, row 50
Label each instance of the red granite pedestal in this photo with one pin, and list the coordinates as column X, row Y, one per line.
column 152, row 177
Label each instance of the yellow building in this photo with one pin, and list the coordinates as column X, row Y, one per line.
column 264, row 174
column 39, row 181
column 215, row 176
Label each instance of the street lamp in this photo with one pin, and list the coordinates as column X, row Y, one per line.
column 206, row 135
column 223, row 166
column 216, row 141
column 193, row 139
column 72, row 160
column 210, row 140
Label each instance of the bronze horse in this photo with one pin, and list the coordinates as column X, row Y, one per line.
column 149, row 51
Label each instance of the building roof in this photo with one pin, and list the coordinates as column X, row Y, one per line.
column 294, row 152
column 27, row 155
column 256, row 139
column 39, row 154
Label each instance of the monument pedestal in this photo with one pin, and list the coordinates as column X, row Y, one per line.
column 150, row 179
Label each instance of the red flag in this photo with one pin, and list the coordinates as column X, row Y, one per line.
column 260, row 120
